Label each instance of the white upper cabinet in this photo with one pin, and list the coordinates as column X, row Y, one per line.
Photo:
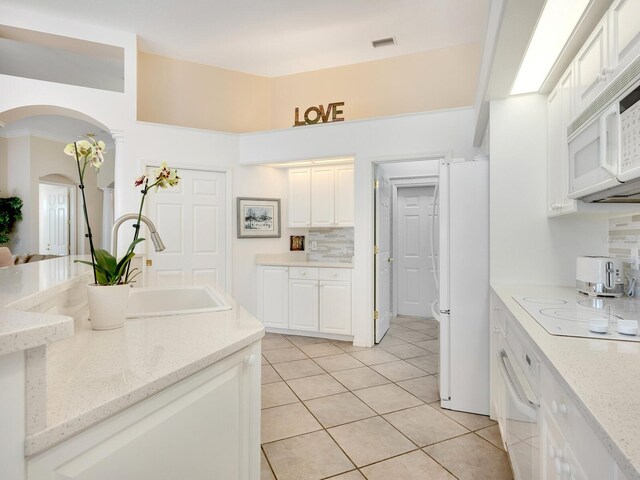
column 344, row 195
column 624, row 34
column 322, row 197
column 299, row 206
column 591, row 66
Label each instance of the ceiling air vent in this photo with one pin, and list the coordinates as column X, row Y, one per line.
column 383, row 42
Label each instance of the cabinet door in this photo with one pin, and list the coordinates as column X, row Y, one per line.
column 554, row 167
column 204, row 427
column 299, row 205
column 273, row 294
column 322, row 197
column 624, row 33
column 303, row 305
column 344, row 184
column 589, row 64
column 335, row 307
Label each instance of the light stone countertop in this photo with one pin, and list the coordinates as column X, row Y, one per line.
column 602, row 376
column 25, row 330
column 94, row 375
column 296, row 260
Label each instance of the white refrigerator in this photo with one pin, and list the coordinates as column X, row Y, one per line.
column 463, row 284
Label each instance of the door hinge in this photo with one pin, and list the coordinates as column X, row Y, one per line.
column 376, row 250
column 375, row 315
column 149, row 263
column 376, row 184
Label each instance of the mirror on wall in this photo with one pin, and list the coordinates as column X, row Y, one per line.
column 34, row 167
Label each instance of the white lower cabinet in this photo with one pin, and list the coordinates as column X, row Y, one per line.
column 316, row 300
column 205, row 426
column 303, row 305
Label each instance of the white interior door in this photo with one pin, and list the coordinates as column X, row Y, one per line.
column 191, row 219
column 383, row 258
column 54, row 219
column 415, row 283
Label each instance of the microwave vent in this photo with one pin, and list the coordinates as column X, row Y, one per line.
column 619, row 85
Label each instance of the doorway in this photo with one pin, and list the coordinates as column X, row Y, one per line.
column 405, row 250
column 57, row 219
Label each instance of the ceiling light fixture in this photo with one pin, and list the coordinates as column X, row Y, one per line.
column 383, row 42
column 308, row 163
column 555, row 25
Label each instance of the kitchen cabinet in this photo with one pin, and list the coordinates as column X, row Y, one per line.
column 273, row 296
column 321, row 196
column 344, row 196
column 318, row 300
column 559, row 114
column 624, row 34
column 591, row 65
column 299, row 206
column 205, row 426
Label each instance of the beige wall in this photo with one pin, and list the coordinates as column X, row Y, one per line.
column 192, row 95
column 3, row 167
column 188, row 94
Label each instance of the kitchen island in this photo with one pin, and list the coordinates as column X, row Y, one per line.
column 164, row 397
column 589, row 387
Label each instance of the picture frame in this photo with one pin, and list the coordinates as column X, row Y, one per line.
column 296, row 243
column 258, row 217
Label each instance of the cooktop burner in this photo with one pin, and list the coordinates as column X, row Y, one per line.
column 579, row 316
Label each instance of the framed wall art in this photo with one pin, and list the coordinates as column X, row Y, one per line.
column 258, row 217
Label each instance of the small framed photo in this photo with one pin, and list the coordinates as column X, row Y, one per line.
column 258, row 217
column 296, row 243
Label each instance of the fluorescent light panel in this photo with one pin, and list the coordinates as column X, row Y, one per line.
column 308, row 163
column 558, row 20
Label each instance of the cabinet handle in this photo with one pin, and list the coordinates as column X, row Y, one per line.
column 250, row 360
column 566, row 468
column 555, row 452
column 606, row 71
column 559, row 407
column 601, row 78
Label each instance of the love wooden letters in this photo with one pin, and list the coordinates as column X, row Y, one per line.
column 313, row 115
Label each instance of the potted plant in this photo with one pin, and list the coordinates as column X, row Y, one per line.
column 109, row 293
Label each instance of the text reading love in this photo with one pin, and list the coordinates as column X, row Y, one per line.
column 313, row 115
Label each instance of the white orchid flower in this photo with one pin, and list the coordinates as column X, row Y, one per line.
column 166, row 177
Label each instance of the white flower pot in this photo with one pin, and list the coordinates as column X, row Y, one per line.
column 107, row 305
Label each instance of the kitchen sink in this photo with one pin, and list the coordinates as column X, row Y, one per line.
column 181, row 300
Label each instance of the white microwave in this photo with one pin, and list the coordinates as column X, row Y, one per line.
column 604, row 152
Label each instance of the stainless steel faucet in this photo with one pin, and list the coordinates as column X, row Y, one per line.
column 153, row 233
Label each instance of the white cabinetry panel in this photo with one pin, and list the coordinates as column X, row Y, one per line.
column 335, row 307
column 303, row 305
column 344, row 194
column 624, row 28
column 299, row 206
column 589, row 64
column 273, row 296
column 322, row 197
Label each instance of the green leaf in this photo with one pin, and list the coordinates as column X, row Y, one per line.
column 106, row 260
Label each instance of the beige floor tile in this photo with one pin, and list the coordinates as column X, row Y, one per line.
column 263, row 361
column 265, row 469
column 339, row 409
column 410, row 466
column 470, row 420
column 298, row 369
column 387, row 398
column 316, row 386
column 402, row 320
column 286, row 421
column 352, row 475
column 389, row 340
column 471, row 457
column 273, row 343
column 269, row 335
column 370, row 440
column 284, row 355
column 405, row 350
column 397, row 371
column 269, row 375
column 311, row 457
column 347, row 346
column 418, row 326
column 492, row 434
column 394, row 329
column 426, row 389
column 373, row 356
column 320, row 349
column 299, row 340
column 276, row 394
column 412, row 336
column 425, row 425
column 433, row 332
column 432, row 346
column 429, row 363
column 358, row 378
column 336, row 363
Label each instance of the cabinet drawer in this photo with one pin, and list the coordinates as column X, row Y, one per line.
column 337, row 274
column 303, row 273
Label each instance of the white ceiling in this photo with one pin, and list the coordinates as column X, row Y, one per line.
column 54, row 127
column 279, row 37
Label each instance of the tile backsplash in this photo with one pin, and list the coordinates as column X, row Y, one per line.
column 624, row 242
column 333, row 244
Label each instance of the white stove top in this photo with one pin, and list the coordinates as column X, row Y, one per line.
column 579, row 315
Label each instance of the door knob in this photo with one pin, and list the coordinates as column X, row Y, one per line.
column 390, row 259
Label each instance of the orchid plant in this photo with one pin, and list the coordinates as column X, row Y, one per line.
column 107, row 270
